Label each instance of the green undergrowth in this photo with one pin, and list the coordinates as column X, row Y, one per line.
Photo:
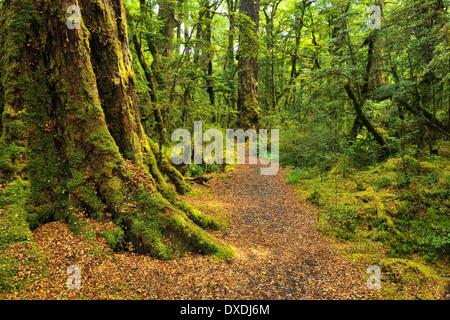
column 400, row 206
column 406, row 279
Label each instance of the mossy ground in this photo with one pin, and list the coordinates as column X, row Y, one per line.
column 395, row 214
column 17, row 249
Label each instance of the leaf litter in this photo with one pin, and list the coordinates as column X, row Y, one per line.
column 279, row 253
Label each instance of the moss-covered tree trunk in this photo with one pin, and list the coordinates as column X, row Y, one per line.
column 71, row 136
column 247, row 103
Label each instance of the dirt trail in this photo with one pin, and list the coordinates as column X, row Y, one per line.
column 280, row 255
column 275, row 234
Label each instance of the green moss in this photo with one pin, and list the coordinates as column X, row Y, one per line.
column 408, row 219
column 24, row 256
column 214, row 212
column 17, row 130
column 101, row 138
column 76, row 156
column 361, row 184
column 377, row 202
column 113, row 198
column 11, row 160
column 202, row 220
column 411, row 279
column 43, row 214
column 150, row 237
column 402, row 278
column 166, row 231
column 383, row 182
column 164, row 167
column 229, row 168
column 410, row 165
column 115, row 238
column 79, row 225
column 152, row 204
column 195, row 239
column 13, row 220
column 88, row 195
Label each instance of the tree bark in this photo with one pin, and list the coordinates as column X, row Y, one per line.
column 247, row 103
column 230, row 64
column 298, row 26
column 208, row 52
column 363, row 119
column 165, row 166
column 378, row 75
column 416, row 108
column 72, row 135
column 359, row 96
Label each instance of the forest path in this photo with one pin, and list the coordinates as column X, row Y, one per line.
column 281, row 254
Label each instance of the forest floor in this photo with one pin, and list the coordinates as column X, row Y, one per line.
column 279, row 253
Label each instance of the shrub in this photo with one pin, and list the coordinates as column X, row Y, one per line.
column 314, row 197
column 316, row 150
column 363, row 153
column 195, row 170
column 294, row 176
column 212, row 167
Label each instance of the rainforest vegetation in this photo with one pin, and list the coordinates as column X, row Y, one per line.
column 91, row 91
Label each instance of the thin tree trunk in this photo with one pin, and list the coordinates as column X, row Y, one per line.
column 165, row 166
column 362, row 117
column 230, row 59
column 298, row 32
column 378, row 77
column 417, row 109
column 209, row 53
column 358, row 102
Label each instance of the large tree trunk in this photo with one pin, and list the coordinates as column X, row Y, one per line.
column 72, row 136
column 248, row 64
